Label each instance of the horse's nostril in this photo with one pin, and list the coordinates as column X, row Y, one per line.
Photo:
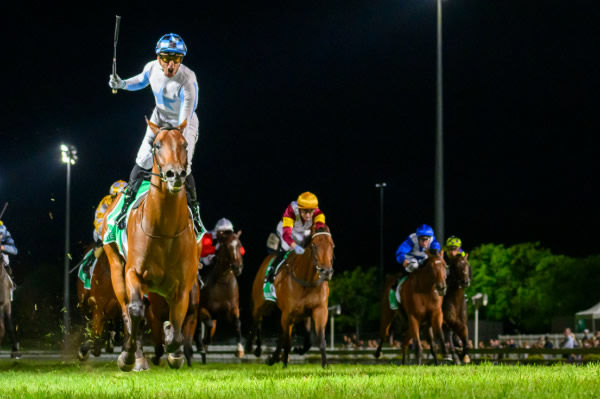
column 182, row 174
column 170, row 174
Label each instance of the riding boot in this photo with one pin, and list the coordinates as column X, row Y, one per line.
column 192, row 200
column 273, row 266
column 135, row 181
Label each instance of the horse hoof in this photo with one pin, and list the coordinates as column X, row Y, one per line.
column 16, row 355
column 257, row 352
column 83, row 356
column 141, row 364
column 467, row 359
column 271, row 361
column 155, row 360
column 203, row 358
column 377, row 354
column 240, row 351
column 122, row 362
column 175, row 362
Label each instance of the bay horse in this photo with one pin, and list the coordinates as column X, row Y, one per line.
column 162, row 251
column 421, row 306
column 220, row 294
column 158, row 312
column 454, row 305
column 6, row 323
column 302, row 289
column 99, row 307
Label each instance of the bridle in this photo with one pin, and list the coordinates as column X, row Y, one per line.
column 161, row 173
column 321, row 270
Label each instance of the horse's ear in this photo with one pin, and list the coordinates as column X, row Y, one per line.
column 442, row 253
column 182, row 126
column 466, row 255
column 239, row 233
column 153, row 126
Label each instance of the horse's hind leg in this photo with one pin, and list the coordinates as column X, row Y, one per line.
column 306, row 335
column 12, row 334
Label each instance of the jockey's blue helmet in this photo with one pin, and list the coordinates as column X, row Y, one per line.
column 424, row 230
column 171, row 43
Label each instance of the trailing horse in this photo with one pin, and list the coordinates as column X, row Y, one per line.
column 454, row 305
column 6, row 323
column 99, row 306
column 302, row 289
column 162, row 253
column 421, row 306
column 220, row 295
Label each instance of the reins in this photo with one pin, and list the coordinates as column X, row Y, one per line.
column 308, row 284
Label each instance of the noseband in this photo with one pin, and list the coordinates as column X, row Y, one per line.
column 161, row 173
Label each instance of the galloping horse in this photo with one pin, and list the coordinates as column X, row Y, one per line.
column 454, row 306
column 158, row 312
column 302, row 287
column 220, row 294
column 6, row 324
column 98, row 305
column 162, row 251
column 421, row 300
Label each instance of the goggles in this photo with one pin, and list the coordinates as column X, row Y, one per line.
column 168, row 57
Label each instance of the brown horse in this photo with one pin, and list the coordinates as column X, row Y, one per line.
column 220, row 294
column 302, row 287
column 99, row 306
column 158, row 312
column 6, row 323
column 421, row 305
column 454, row 306
column 162, row 251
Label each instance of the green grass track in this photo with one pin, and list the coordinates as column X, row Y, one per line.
column 99, row 379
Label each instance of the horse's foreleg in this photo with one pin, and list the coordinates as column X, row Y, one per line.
column 306, row 336
column 431, row 341
column 12, row 335
column 320, row 315
column 173, row 329
column 463, row 333
column 239, row 352
column 436, row 324
column 97, row 329
column 413, row 332
column 286, row 340
column 135, row 313
column 189, row 326
column 384, row 329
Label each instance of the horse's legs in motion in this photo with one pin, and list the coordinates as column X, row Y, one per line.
column 384, row 329
column 205, row 320
column 320, row 317
column 448, row 337
column 12, row 334
column 413, row 332
column 135, row 312
column 173, row 329
column 189, row 327
column 436, row 325
column 286, row 339
column 97, row 328
column 431, row 341
column 239, row 352
column 306, row 335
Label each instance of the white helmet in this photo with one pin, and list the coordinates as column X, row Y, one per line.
column 223, row 225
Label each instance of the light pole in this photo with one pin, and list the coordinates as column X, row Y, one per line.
column 439, row 142
column 69, row 157
column 478, row 300
column 334, row 310
column 381, row 186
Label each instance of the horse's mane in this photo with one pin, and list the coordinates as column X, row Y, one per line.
column 322, row 229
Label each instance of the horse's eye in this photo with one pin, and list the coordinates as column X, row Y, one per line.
column 157, row 146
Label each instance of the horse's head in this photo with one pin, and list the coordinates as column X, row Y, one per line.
column 169, row 151
column 460, row 270
column 229, row 243
column 322, row 252
column 435, row 260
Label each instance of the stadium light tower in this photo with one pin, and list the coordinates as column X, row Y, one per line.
column 69, row 157
column 439, row 136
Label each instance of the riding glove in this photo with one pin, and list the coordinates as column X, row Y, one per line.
column 298, row 249
column 115, row 82
column 412, row 265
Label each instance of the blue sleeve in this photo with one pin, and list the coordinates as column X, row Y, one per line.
column 403, row 249
column 435, row 245
column 9, row 244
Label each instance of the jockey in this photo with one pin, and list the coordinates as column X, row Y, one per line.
column 176, row 93
column 7, row 245
column 209, row 248
column 295, row 227
column 411, row 253
column 116, row 188
column 453, row 247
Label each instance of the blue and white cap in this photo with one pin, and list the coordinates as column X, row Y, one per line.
column 424, row 230
column 171, row 43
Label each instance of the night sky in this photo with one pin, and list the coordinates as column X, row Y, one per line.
column 326, row 96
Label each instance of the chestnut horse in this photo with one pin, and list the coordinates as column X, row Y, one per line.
column 98, row 306
column 162, row 251
column 302, row 288
column 454, row 306
column 421, row 305
column 220, row 294
column 6, row 323
column 158, row 312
